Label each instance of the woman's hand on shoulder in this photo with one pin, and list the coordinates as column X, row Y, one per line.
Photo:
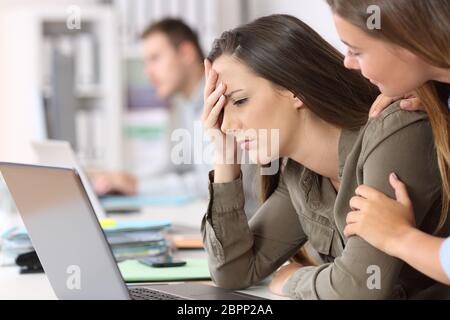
column 409, row 102
column 380, row 220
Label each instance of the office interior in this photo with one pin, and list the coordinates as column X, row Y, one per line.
column 110, row 114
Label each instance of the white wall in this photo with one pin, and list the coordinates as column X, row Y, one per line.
column 46, row 2
column 21, row 111
column 230, row 14
column 315, row 13
column 21, row 117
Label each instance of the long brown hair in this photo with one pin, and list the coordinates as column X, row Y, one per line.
column 423, row 28
column 288, row 53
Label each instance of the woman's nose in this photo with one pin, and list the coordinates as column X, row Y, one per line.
column 351, row 62
column 230, row 122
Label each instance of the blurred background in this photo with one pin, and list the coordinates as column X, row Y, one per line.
column 74, row 70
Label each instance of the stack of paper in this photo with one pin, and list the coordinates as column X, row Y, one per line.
column 136, row 239
column 128, row 240
column 122, row 203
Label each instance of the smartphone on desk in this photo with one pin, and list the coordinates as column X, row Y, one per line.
column 162, row 262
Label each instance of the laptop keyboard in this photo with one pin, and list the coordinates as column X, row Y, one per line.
column 149, row 294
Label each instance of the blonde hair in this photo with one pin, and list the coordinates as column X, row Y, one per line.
column 439, row 119
column 407, row 23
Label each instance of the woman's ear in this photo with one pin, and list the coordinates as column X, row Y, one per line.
column 298, row 104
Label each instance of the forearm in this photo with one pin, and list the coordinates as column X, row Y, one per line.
column 227, row 237
column 241, row 252
column 361, row 272
column 226, row 167
column 421, row 251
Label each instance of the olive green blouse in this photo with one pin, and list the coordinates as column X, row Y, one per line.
column 306, row 207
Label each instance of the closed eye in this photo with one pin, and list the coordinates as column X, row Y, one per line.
column 354, row 54
column 240, row 102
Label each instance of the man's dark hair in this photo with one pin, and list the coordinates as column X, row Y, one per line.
column 177, row 31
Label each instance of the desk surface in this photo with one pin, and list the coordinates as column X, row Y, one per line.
column 185, row 217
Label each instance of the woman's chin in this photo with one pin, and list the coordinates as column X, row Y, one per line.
column 392, row 91
column 259, row 158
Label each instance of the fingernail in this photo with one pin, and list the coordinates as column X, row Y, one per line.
column 394, row 176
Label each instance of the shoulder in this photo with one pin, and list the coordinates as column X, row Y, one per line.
column 412, row 128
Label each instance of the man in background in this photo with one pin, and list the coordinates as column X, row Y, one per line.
column 174, row 65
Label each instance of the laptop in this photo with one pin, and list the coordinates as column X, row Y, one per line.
column 55, row 153
column 71, row 245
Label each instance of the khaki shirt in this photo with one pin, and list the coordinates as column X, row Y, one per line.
column 306, row 207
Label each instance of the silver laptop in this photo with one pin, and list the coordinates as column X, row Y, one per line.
column 55, row 153
column 71, row 245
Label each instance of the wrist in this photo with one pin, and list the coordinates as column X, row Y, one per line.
column 401, row 245
column 224, row 173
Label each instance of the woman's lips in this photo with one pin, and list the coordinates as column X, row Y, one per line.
column 245, row 144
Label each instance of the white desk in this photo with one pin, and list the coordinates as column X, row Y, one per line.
column 36, row 286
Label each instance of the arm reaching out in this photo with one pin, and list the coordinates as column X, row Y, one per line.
column 389, row 226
